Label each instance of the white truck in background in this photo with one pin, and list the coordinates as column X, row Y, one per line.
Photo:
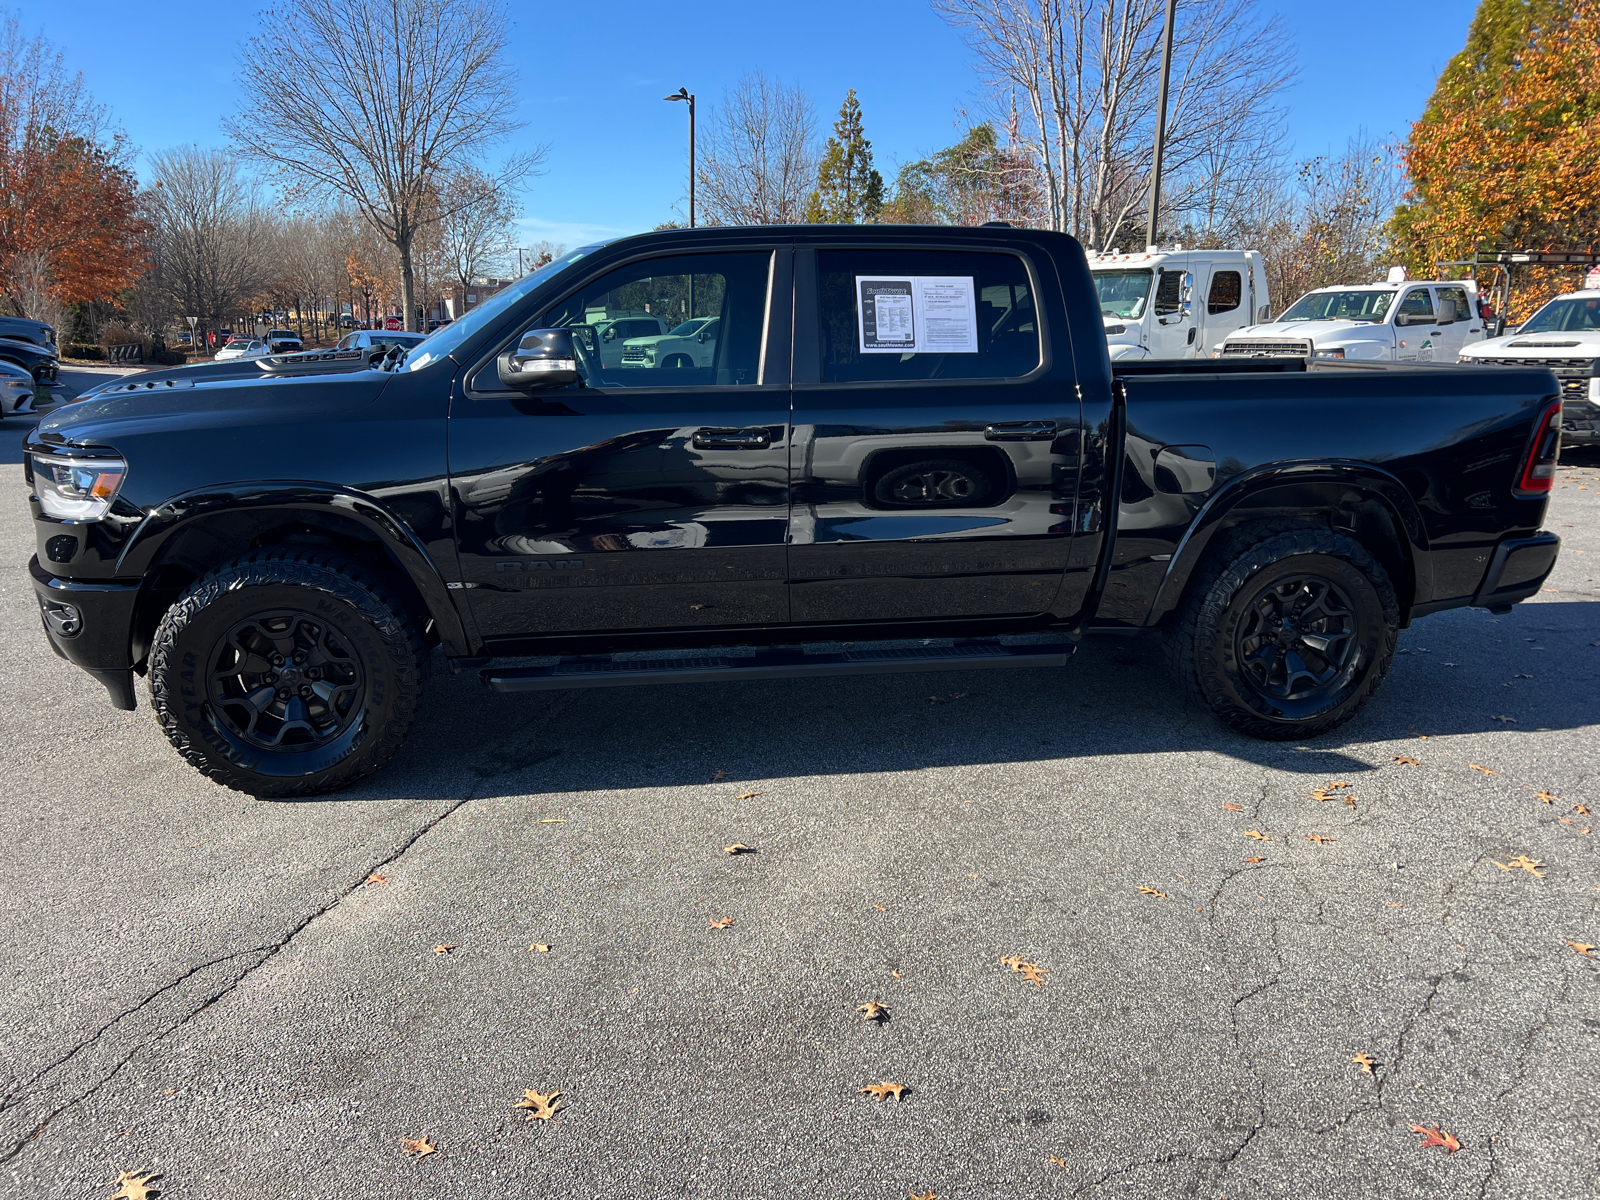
column 1177, row 303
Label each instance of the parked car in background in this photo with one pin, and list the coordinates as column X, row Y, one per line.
column 378, row 341
column 39, row 361
column 692, row 344
column 1177, row 303
column 613, row 331
column 22, row 329
column 1564, row 335
column 16, row 390
column 244, row 348
column 1397, row 320
column 284, row 341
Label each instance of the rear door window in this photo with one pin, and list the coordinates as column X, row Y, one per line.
column 888, row 315
column 1227, row 292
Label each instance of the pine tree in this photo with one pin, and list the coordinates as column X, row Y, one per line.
column 849, row 191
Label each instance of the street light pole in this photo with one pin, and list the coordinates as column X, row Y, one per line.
column 1161, row 125
column 683, row 94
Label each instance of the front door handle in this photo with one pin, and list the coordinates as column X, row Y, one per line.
column 1021, row 431
column 732, row 439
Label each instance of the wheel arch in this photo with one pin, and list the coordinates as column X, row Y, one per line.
column 1358, row 499
column 197, row 531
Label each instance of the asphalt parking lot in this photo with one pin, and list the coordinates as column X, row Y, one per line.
column 253, row 1000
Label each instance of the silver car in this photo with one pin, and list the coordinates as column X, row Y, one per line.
column 16, row 390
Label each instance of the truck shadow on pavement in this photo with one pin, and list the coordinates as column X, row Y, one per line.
column 1461, row 672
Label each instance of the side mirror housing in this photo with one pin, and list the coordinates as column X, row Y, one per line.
column 544, row 358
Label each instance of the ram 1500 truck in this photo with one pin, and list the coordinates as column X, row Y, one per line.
column 905, row 435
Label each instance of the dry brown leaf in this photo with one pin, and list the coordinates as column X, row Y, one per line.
column 1034, row 974
column 1014, row 961
column 541, row 947
column 880, row 908
column 1255, row 858
column 1319, row 838
column 1257, row 834
column 1437, row 1137
column 721, row 922
column 1404, row 761
column 542, row 1107
column 930, row 1194
column 1545, row 797
column 873, row 1011
column 737, row 848
column 698, row 607
column 133, row 1185
column 896, row 974
column 419, row 1146
column 882, row 1090
column 719, row 776
column 1233, row 807
column 444, row 947
column 1522, row 861
column 1485, row 770
column 1150, row 891
column 1366, row 1062
column 376, row 878
column 1580, row 808
column 747, row 795
column 1583, row 948
column 1057, row 1161
column 553, row 821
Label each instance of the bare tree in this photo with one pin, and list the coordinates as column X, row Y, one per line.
column 375, row 101
column 758, row 159
column 476, row 228
column 214, row 241
column 1088, row 73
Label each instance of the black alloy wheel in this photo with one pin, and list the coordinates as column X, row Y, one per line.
column 1297, row 637
column 284, row 679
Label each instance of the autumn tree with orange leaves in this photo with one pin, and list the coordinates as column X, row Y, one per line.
column 69, row 226
column 1507, row 153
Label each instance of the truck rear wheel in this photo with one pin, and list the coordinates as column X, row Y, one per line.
column 286, row 674
column 1287, row 636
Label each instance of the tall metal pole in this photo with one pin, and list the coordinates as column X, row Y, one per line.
column 1161, row 124
column 691, row 162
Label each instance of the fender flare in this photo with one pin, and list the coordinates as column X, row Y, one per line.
column 1362, row 478
column 180, row 512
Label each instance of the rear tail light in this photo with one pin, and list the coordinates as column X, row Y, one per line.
column 1539, row 472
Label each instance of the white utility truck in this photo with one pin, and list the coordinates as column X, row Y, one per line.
column 1391, row 320
column 1564, row 335
column 1177, row 303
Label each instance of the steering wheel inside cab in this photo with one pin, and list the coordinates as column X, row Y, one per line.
column 549, row 358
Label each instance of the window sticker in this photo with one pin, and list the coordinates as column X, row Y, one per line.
column 917, row 314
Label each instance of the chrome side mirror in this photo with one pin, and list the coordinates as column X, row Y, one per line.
column 544, row 358
column 1188, row 292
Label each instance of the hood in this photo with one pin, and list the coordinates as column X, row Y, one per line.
column 203, row 397
column 211, row 372
column 1320, row 332
column 1534, row 346
column 653, row 339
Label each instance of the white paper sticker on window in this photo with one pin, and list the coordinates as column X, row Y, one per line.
column 917, row 314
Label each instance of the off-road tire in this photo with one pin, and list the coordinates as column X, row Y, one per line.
column 1203, row 643
column 367, row 616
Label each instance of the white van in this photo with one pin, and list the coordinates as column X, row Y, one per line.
column 1177, row 303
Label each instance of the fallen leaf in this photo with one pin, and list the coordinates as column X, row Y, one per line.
column 880, row 908
column 1257, row 834
column 1437, row 1137
column 1366, row 1062
column 873, row 1011
column 1058, row 1162
column 543, row 1107
column 747, row 795
column 541, row 947
column 444, row 947
column 133, row 1185
column 1404, row 761
column 1319, row 838
column 1150, row 891
column 420, row 1146
column 896, row 974
column 1530, row 865
column 1545, row 797
column 930, row 1194
column 721, row 922
column 1580, row 808
column 719, row 776
column 737, row 848
column 1394, row 906
column 1503, row 721
column 1014, row 961
column 883, row 1090
column 1255, row 858
column 971, row 876
column 1485, row 770
column 698, row 607
column 1034, row 975
column 376, row 878
column 1583, row 948
column 1234, row 807
column 553, row 821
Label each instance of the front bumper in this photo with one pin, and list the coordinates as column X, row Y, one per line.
column 91, row 626
column 1518, row 570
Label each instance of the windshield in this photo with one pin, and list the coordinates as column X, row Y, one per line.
column 442, row 341
column 1574, row 315
column 1340, row 306
column 689, row 327
column 1122, row 293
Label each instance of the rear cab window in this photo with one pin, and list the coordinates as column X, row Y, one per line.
column 909, row 315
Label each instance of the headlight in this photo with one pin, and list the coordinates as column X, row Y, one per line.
column 76, row 489
column 1331, row 352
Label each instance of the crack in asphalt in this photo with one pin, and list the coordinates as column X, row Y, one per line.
column 508, row 764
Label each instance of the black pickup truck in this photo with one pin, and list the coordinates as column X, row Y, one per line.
column 903, row 449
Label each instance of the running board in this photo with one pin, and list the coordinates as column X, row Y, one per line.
column 779, row 663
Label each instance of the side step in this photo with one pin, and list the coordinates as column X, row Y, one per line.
column 787, row 662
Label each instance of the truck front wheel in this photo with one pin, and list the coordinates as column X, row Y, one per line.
column 1287, row 636
column 286, row 673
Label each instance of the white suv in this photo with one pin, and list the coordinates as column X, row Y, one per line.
column 692, row 344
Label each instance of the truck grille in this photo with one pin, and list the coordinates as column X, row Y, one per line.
column 1574, row 373
column 1268, row 348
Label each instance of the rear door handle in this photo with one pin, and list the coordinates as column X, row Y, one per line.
column 732, row 439
column 1021, row 431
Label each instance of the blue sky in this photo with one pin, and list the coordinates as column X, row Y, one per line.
column 593, row 74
